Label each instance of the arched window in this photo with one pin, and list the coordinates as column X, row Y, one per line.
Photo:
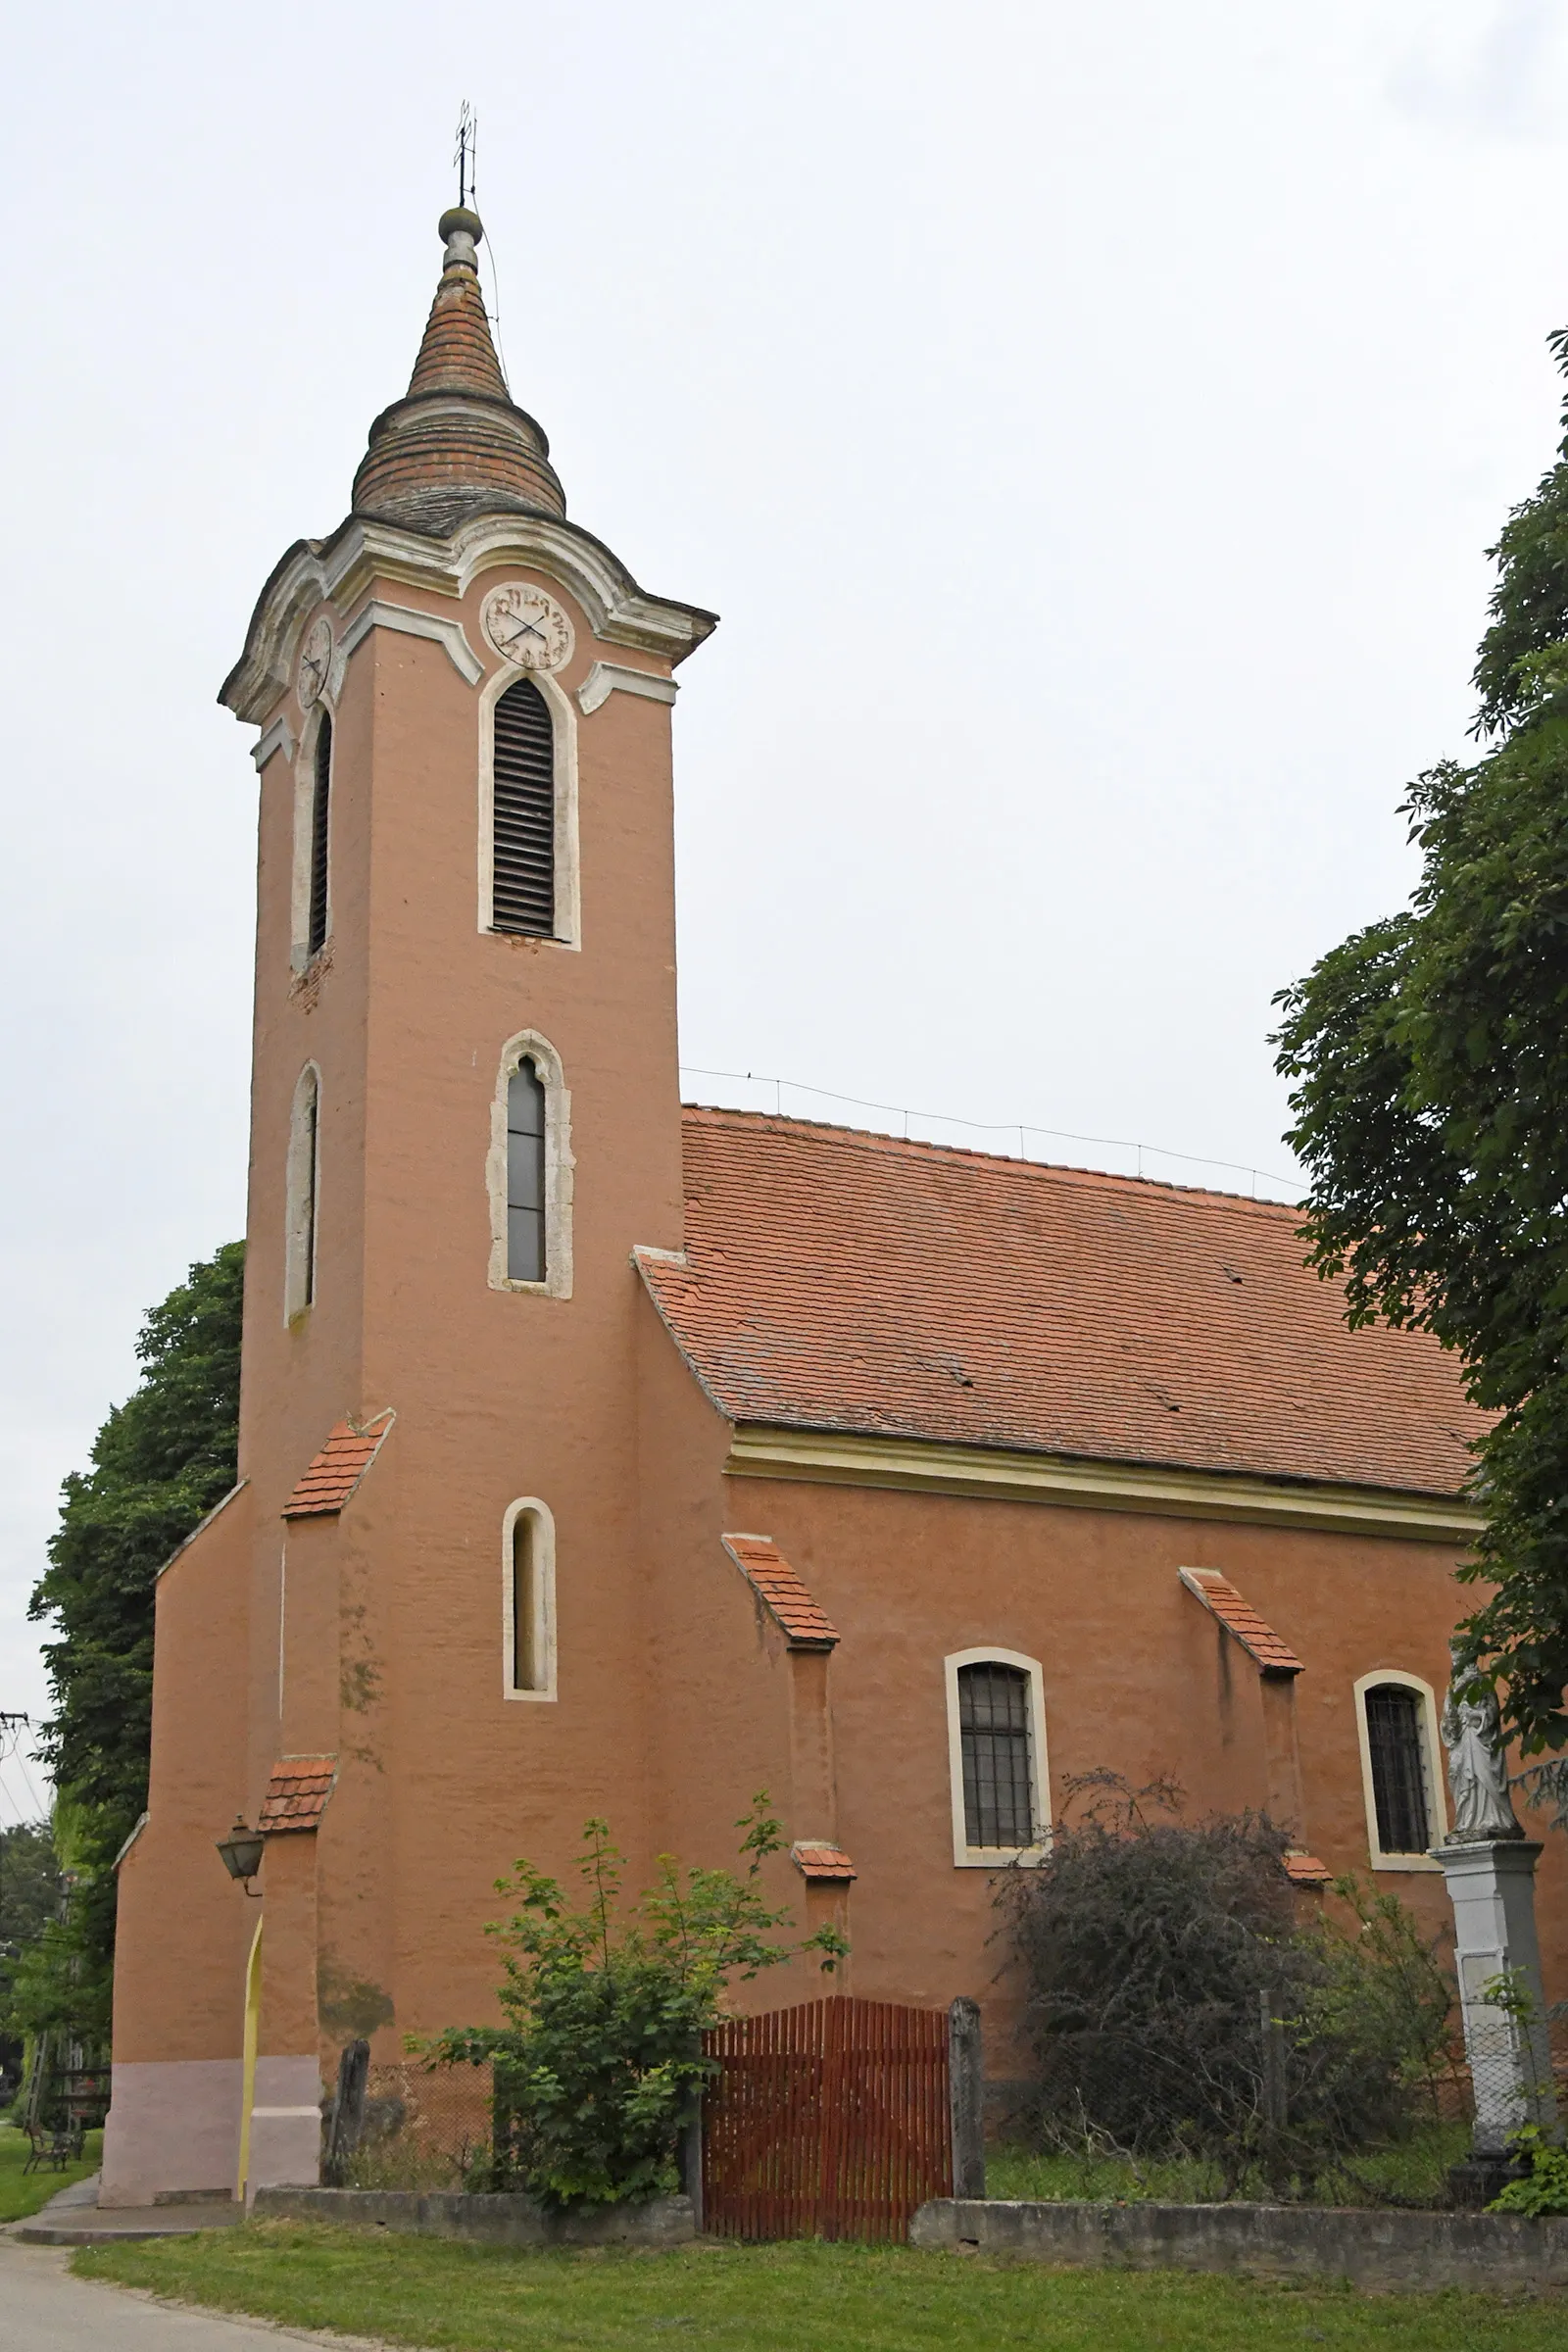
column 996, row 1732
column 320, row 829
column 1398, row 1726
column 529, row 1601
column 522, row 882
column 527, row 1251
column 530, row 1171
column 301, row 1186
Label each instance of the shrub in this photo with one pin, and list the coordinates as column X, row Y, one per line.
column 601, row 2066
column 1177, row 2008
column 1543, row 2190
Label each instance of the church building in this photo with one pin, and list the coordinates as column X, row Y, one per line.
column 601, row 1455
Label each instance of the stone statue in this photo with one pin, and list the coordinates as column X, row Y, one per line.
column 1477, row 1771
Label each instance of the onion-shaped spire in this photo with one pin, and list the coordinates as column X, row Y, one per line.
column 457, row 444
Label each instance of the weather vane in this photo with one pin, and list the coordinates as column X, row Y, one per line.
column 467, row 154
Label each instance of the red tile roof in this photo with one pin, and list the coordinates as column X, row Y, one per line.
column 297, row 1793
column 840, row 1281
column 781, row 1590
column 826, row 1864
column 1306, row 1870
column 1260, row 1641
column 338, row 1468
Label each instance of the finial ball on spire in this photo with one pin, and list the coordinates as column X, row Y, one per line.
column 459, row 220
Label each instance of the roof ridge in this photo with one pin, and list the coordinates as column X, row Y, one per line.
column 918, row 1146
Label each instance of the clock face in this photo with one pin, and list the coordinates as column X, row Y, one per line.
column 315, row 660
column 527, row 625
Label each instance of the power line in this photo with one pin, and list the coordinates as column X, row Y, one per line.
column 1021, row 1128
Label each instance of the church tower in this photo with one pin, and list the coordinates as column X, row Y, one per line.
column 393, row 1649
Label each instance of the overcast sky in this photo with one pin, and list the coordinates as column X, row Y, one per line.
column 1088, row 421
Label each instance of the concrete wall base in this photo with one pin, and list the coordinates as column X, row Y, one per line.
column 1488, row 2251
column 174, row 2128
column 491, row 2220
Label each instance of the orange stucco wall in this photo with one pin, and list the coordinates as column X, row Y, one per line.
column 375, row 1636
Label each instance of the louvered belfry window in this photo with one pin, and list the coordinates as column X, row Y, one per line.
column 525, row 1175
column 1398, row 1782
column 320, row 827
column 523, row 871
column 998, row 1768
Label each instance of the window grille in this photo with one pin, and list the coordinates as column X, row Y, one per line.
column 523, row 890
column 525, row 1175
column 1394, row 1732
column 997, row 1766
column 321, row 809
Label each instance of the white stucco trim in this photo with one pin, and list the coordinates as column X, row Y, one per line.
column 1431, row 1773
column 614, row 677
column 364, row 552
column 302, row 1194
column 410, row 621
column 528, row 1045
column 542, row 1522
column 986, row 1857
column 278, row 737
column 567, row 932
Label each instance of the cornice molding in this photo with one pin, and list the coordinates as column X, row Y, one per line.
column 825, row 1458
column 605, row 678
column 363, row 551
column 410, row 621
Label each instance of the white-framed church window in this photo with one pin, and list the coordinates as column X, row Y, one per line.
column 528, row 1170
column 999, row 1774
column 301, row 1188
column 1402, row 1776
column 529, row 1601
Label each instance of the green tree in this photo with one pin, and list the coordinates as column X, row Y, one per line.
column 601, row 2061
column 1429, row 1058
column 159, row 1463
column 29, row 1898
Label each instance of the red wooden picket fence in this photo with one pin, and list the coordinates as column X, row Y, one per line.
column 831, row 2119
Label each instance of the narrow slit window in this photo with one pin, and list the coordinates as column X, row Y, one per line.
column 525, row 1175
column 1397, row 1747
column 320, row 827
column 302, row 1178
column 525, row 1642
column 523, row 813
column 993, row 1733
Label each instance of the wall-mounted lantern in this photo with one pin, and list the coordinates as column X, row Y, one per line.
column 241, row 1851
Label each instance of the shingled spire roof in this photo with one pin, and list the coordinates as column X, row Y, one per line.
column 457, row 444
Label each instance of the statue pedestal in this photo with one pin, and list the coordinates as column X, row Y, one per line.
column 1492, row 1885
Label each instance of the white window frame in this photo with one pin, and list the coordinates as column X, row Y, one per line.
column 1431, row 1773
column 528, row 1046
column 302, row 1197
column 567, row 932
column 300, row 956
column 995, row 1858
column 530, row 1507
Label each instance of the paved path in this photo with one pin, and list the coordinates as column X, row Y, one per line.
column 75, row 2218
column 44, row 2309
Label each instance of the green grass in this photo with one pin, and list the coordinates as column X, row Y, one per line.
column 1415, row 2172
column 22, row 2193
column 787, row 2298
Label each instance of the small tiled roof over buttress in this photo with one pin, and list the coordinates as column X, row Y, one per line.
column 338, row 1468
column 1259, row 1639
column 297, row 1793
column 850, row 1281
column 780, row 1590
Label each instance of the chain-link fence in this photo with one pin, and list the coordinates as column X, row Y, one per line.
column 423, row 2128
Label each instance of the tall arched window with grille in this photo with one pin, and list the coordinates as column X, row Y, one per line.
column 527, row 1245
column 1399, row 1760
column 523, row 881
column 996, row 1732
column 320, row 835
